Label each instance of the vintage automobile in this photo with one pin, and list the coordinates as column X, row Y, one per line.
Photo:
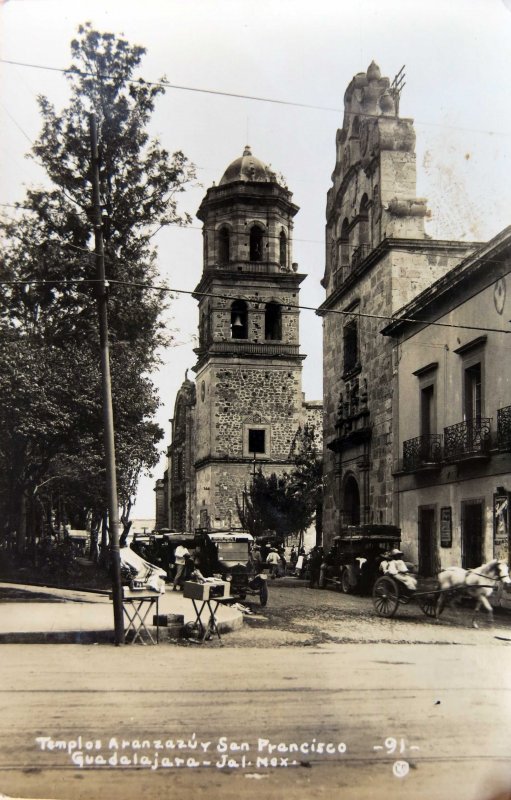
column 352, row 564
column 159, row 548
column 229, row 555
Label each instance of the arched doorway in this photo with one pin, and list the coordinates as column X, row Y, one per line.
column 351, row 502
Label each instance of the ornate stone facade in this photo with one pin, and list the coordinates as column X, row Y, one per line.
column 378, row 258
column 247, row 402
column 181, row 489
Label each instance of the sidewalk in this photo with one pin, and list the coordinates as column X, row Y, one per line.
column 70, row 616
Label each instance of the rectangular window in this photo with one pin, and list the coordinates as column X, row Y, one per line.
column 256, row 441
column 473, row 393
column 427, row 410
column 351, row 358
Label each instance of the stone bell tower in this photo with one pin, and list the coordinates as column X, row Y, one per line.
column 378, row 257
column 248, row 372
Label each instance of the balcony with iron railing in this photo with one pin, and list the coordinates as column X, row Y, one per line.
column 243, row 346
column 504, row 428
column 467, row 440
column 422, row 453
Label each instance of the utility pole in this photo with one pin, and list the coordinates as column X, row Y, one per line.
column 108, row 418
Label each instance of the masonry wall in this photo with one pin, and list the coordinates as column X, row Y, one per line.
column 456, row 483
column 390, row 284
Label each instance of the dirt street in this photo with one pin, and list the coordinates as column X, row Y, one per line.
column 287, row 707
column 299, row 616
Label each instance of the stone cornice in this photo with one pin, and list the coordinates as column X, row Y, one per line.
column 474, row 266
column 286, row 280
column 240, row 460
column 446, row 247
column 247, row 193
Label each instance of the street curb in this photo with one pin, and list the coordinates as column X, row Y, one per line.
column 167, row 633
column 57, row 637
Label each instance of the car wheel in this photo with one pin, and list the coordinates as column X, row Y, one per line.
column 345, row 581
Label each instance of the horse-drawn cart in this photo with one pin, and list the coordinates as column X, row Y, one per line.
column 389, row 593
column 432, row 594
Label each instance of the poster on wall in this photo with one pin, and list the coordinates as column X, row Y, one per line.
column 500, row 525
column 446, row 527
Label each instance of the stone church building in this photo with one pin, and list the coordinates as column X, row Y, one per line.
column 378, row 258
column 246, row 404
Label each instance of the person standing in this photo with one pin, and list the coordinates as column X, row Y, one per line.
column 316, row 559
column 181, row 554
column 273, row 560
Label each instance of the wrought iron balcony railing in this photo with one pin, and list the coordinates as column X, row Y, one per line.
column 504, row 428
column 423, row 451
column 470, row 438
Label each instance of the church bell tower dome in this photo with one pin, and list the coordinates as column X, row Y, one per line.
column 247, row 168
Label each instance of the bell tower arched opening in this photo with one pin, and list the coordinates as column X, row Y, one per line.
column 273, row 322
column 283, row 249
column 239, row 320
column 256, row 243
column 224, row 245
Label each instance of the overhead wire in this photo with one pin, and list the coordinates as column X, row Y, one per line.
column 256, row 300
column 166, row 84
column 239, row 95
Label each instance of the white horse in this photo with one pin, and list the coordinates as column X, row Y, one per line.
column 478, row 582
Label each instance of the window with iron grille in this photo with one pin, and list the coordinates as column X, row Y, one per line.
column 351, row 355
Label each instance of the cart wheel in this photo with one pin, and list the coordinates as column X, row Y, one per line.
column 263, row 593
column 428, row 604
column 385, row 597
column 345, row 581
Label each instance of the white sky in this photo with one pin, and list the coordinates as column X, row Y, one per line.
column 457, row 58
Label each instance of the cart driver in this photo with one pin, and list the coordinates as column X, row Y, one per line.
column 394, row 565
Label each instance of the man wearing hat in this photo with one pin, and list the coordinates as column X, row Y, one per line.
column 395, row 566
column 273, row 560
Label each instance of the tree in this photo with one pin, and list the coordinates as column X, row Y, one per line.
column 306, row 479
column 288, row 504
column 265, row 506
column 49, row 371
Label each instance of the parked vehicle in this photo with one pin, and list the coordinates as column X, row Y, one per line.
column 353, row 562
column 229, row 554
column 159, row 548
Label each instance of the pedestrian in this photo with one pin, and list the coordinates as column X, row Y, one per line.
column 315, row 561
column 273, row 560
column 181, row 555
column 255, row 555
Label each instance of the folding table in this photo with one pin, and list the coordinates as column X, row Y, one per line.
column 136, row 606
column 206, row 597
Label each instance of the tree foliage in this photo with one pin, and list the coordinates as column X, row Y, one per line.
column 290, row 503
column 50, row 395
